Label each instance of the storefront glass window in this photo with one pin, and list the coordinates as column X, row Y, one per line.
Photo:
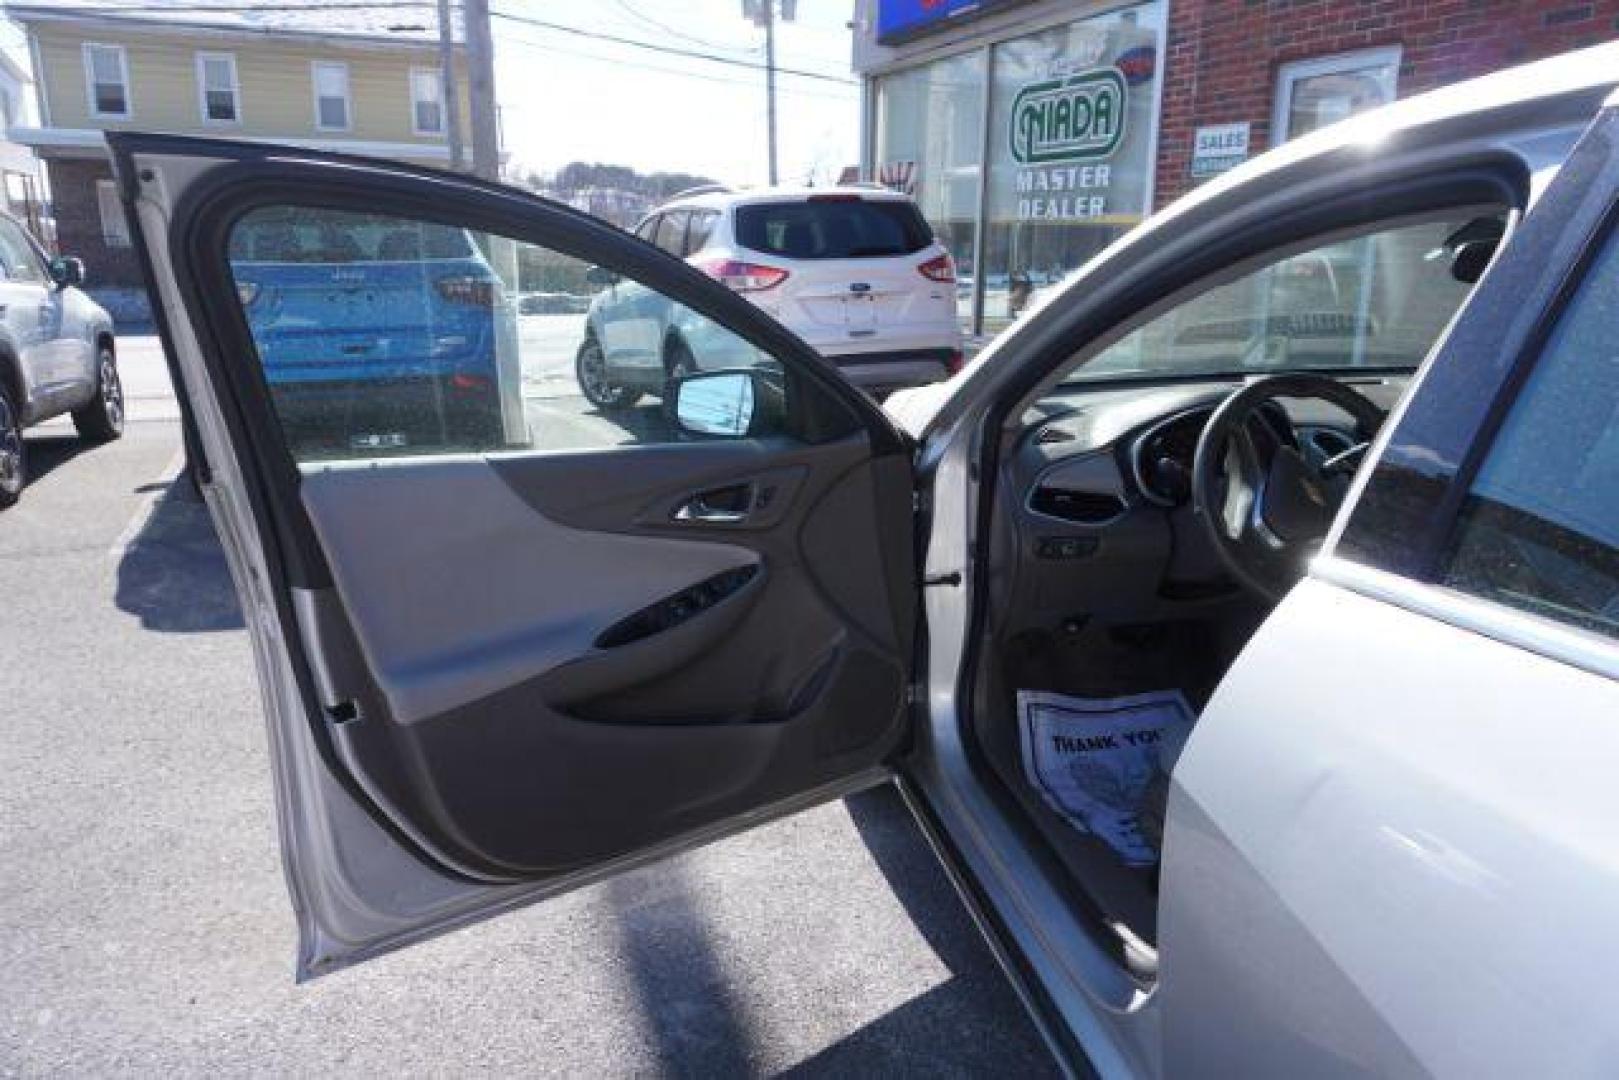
column 929, row 140
column 1071, row 149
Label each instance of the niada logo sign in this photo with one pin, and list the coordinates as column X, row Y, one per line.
column 1074, row 118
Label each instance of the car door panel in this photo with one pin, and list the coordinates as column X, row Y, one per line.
column 1400, row 875
column 494, row 675
column 1391, row 824
column 494, row 683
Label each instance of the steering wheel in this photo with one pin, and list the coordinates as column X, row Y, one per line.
column 1266, row 506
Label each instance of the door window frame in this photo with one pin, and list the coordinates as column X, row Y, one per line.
column 829, row 408
column 1393, row 540
column 90, row 48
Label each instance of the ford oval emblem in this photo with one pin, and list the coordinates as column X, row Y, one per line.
column 859, row 287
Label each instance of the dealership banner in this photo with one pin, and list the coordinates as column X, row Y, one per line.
column 901, row 19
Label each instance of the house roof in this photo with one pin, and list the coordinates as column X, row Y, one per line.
column 405, row 22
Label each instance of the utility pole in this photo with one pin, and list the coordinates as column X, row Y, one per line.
column 481, row 80
column 768, row 9
column 452, row 87
column 763, row 13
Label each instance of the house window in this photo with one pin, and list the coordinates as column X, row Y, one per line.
column 114, row 226
column 219, row 94
column 426, row 101
column 106, row 73
column 1311, row 94
column 331, row 95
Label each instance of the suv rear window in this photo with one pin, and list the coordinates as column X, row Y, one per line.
column 833, row 229
column 296, row 235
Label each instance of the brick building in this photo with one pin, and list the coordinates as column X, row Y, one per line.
column 1034, row 132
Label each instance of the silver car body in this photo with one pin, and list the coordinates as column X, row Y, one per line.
column 1364, row 871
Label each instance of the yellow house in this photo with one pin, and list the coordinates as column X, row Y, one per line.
column 360, row 80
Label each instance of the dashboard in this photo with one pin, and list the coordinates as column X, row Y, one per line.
column 1097, row 493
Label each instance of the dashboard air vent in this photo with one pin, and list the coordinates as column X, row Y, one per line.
column 1085, row 507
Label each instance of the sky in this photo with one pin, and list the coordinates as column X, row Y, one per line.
column 567, row 98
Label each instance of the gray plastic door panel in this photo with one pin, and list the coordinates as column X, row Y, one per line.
column 496, row 667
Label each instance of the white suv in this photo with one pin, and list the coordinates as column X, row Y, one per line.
column 854, row 271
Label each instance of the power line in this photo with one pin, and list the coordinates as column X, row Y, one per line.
column 238, row 8
column 726, row 80
column 663, row 28
column 669, row 49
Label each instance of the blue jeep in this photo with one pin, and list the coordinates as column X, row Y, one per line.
column 343, row 304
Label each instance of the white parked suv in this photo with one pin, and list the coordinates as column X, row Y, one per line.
column 854, row 271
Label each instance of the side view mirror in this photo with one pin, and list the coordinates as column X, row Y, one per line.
column 730, row 404
column 600, row 275
column 67, row 270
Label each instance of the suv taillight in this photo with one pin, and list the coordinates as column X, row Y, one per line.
column 477, row 291
column 942, row 269
column 743, row 276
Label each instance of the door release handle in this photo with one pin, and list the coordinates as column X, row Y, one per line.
column 722, row 506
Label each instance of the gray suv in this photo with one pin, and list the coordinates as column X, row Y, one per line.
column 56, row 353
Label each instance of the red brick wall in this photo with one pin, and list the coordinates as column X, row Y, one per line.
column 1223, row 55
column 78, row 224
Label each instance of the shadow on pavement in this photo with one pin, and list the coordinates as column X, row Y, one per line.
column 970, row 1025
column 173, row 574
column 46, row 453
column 685, row 995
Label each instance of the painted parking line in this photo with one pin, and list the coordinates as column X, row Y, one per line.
column 148, row 505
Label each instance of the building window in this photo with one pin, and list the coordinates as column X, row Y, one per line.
column 106, row 75
column 1311, row 94
column 217, row 89
column 114, row 226
column 1072, row 132
column 930, row 135
column 426, row 101
column 331, row 95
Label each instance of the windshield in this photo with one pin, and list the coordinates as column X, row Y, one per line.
column 1375, row 301
column 833, row 227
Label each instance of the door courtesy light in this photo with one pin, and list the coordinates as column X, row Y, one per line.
column 942, row 269
column 743, row 276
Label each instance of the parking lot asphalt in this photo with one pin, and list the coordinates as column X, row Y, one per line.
column 145, row 927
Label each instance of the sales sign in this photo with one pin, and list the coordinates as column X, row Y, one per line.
column 1219, row 147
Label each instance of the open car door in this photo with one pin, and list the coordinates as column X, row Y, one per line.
column 509, row 641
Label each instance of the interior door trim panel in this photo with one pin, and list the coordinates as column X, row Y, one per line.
column 484, row 703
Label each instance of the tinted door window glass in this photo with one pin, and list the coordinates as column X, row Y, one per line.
column 382, row 335
column 1540, row 529
column 836, row 228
